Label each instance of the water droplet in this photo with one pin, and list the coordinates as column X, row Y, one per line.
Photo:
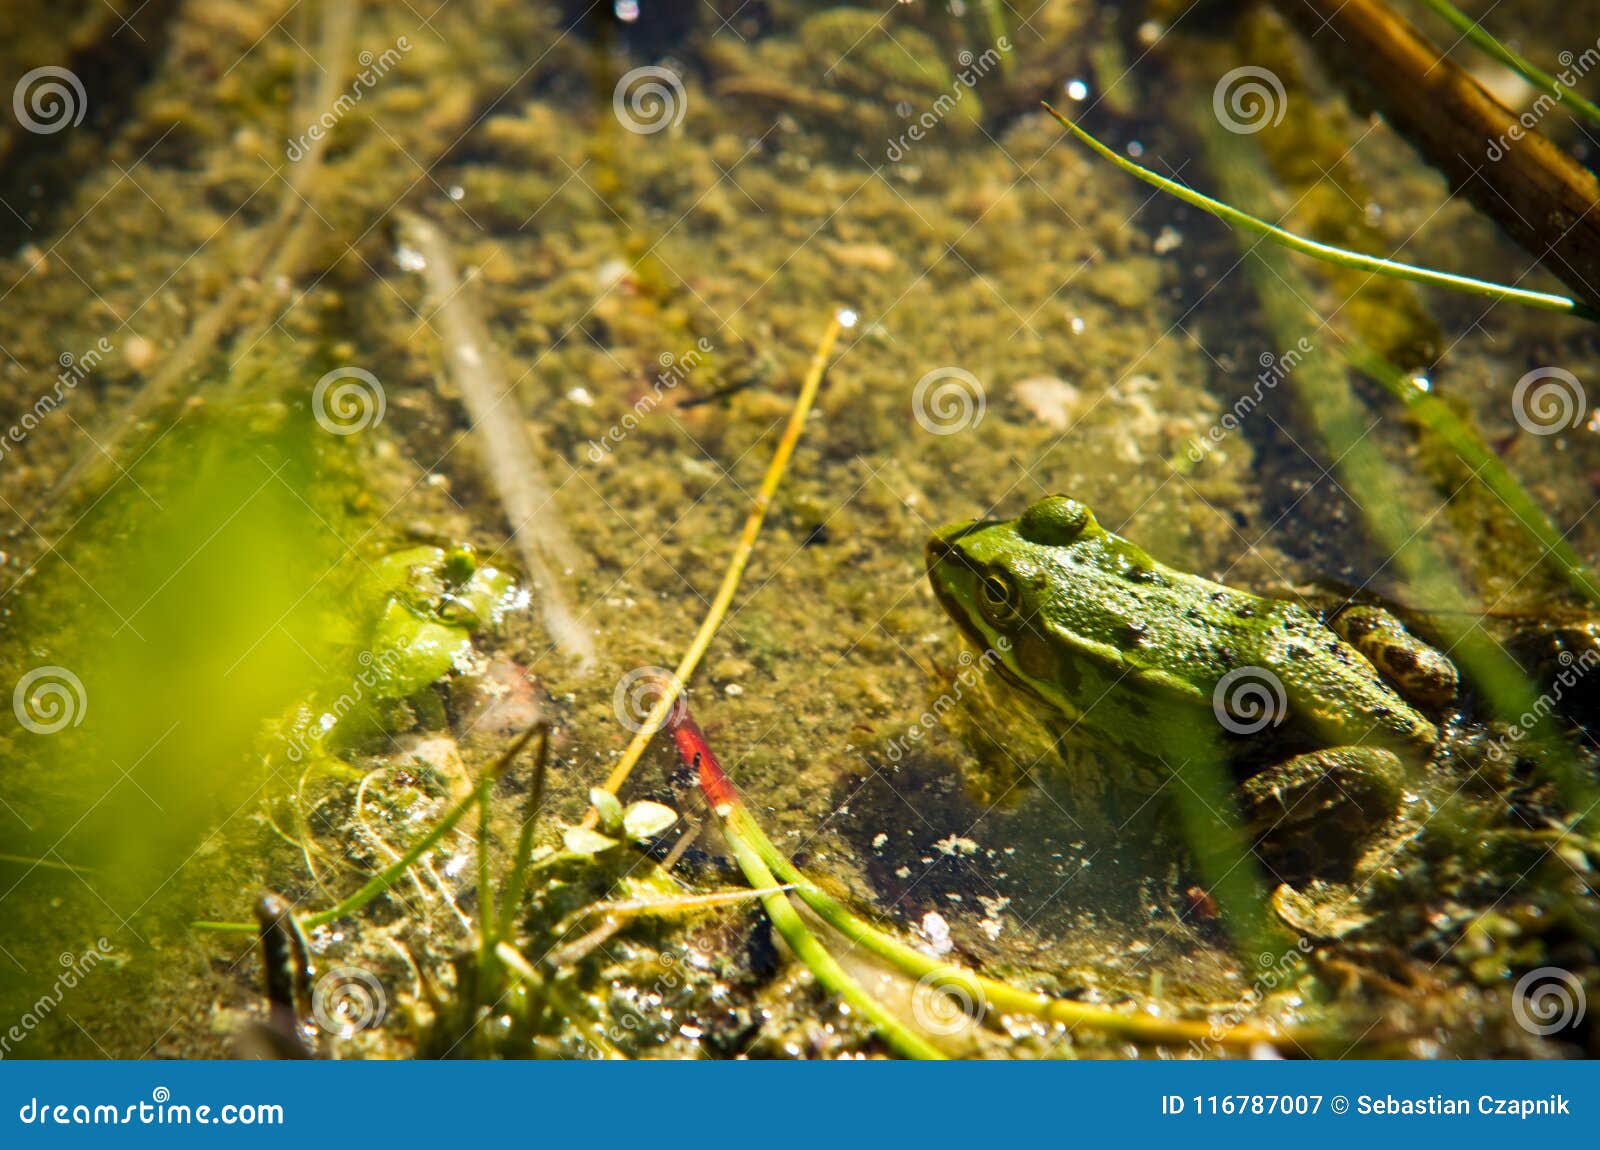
column 1077, row 90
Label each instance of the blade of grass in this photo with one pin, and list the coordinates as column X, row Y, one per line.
column 1343, row 257
column 518, row 882
column 1521, row 65
column 1340, row 422
column 810, row 950
column 744, row 833
column 386, row 878
column 736, row 565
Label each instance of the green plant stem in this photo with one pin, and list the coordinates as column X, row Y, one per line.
column 1437, row 417
column 745, row 835
column 1343, row 257
column 731, row 577
column 387, row 877
column 1518, row 63
column 518, row 882
column 811, row 951
column 974, row 987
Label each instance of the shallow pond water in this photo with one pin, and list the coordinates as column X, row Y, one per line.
column 309, row 286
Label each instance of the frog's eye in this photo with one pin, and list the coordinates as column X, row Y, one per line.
column 998, row 599
column 1055, row 521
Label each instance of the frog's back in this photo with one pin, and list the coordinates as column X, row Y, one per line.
column 1180, row 636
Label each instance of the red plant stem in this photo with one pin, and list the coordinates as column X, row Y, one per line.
column 697, row 755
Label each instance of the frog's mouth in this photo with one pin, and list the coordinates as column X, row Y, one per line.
column 945, row 563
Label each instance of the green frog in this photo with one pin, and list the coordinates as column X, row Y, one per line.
column 1165, row 666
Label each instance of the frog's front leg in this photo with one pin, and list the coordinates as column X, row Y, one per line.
column 1337, row 795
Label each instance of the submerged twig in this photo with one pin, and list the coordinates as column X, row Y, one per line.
column 275, row 251
column 476, row 369
column 1344, row 257
column 1341, row 424
column 1540, row 196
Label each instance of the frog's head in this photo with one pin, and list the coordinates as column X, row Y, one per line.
column 1000, row 580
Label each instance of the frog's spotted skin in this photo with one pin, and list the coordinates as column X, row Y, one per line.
column 1132, row 652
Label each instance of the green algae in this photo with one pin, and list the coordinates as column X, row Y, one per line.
column 596, row 253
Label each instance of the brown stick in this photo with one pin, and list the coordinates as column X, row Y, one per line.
column 1538, row 195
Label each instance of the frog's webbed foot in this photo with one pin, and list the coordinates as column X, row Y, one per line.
column 1325, row 803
